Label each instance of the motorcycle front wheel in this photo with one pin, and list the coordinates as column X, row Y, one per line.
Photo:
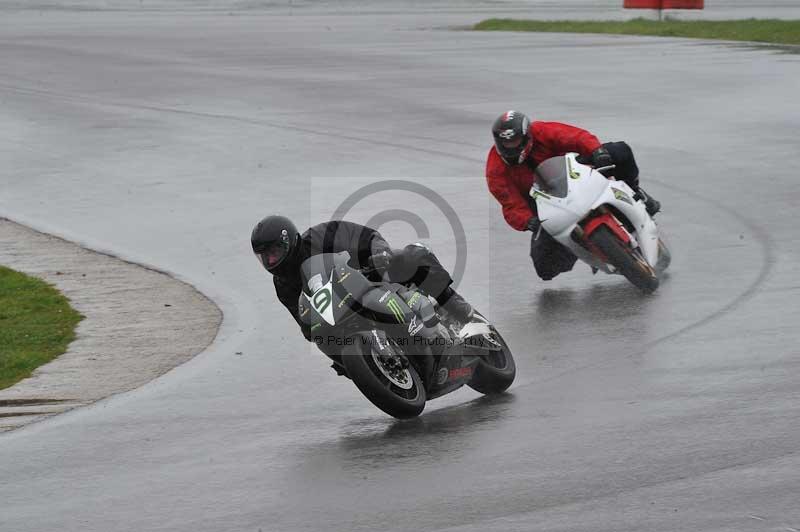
column 496, row 370
column 396, row 389
column 628, row 261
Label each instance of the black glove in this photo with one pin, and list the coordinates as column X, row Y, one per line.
column 381, row 261
column 601, row 158
column 534, row 225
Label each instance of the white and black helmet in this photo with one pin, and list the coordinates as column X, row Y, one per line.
column 512, row 137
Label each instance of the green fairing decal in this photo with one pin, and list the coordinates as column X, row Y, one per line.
column 413, row 299
column 537, row 193
column 344, row 299
column 572, row 173
column 620, row 195
column 316, row 326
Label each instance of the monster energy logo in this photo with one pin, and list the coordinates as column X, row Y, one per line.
column 394, row 306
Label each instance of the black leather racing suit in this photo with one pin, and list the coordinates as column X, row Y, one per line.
column 413, row 264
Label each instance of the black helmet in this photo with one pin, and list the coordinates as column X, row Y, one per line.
column 275, row 242
column 512, row 137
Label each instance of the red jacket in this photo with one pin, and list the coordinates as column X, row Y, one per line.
column 511, row 184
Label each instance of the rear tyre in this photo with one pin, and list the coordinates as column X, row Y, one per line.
column 629, row 262
column 496, row 370
column 398, row 392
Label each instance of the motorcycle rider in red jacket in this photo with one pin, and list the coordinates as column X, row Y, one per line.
column 520, row 146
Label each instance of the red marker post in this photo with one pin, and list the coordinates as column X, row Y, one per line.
column 663, row 4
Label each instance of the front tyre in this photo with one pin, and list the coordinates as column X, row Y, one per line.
column 664, row 256
column 496, row 370
column 629, row 262
column 395, row 389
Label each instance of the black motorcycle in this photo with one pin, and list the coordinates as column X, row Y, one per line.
column 395, row 343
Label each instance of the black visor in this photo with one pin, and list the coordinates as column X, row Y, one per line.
column 274, row 255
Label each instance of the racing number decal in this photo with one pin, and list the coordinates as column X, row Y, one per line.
column 322, row 299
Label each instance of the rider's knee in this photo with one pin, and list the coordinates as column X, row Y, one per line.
column 558, row 261
column 545, row 272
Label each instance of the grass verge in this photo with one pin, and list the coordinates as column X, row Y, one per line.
column 754, row 30
column 36, row 325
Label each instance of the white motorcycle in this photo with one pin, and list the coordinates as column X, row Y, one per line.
column 600, row 220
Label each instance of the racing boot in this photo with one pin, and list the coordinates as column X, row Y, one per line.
column 455, row 305
column 650, row 203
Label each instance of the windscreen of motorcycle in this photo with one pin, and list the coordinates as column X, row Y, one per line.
column 552, row 175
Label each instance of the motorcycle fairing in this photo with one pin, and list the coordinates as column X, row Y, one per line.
column 322, row 298
column 451, row 372
column 607, row 219
column 327, row 302
column 348, row 292
column 334, row 292
column 586, row 191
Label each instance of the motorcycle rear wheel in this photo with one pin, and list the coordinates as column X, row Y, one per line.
column 624, row 259
column 401, row 396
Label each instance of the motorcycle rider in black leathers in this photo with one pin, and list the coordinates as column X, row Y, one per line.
column 282, row 250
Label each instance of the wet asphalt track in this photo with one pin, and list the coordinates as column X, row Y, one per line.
column 164, row 137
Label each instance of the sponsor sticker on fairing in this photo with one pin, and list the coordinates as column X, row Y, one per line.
column 457, row 373
column 620, row 195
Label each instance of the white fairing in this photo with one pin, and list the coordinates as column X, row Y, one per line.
column 322, row 300
column 588, row 189
column 474, row 329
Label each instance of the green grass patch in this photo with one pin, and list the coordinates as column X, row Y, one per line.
column 36, row 325
column 755, row 30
